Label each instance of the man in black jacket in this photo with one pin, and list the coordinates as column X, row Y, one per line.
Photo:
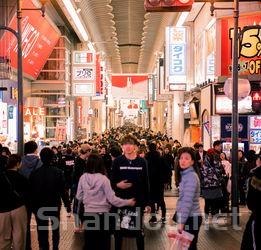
column 30, row 162
column 47, row 187
column 158, row 176
column 130, row 179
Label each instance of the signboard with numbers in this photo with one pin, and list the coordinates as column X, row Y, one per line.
column 249, row 62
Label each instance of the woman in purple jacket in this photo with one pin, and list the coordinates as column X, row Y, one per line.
column 94, row 190
column 188, row 214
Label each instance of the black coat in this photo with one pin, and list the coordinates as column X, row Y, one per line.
column 136, row 172
column 47, row 188
column 254, row 204
column 158, row 173
column 13, row 190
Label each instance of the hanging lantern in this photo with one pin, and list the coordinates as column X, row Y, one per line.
column 244, row 88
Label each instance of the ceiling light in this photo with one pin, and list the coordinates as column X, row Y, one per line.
column 69, row 6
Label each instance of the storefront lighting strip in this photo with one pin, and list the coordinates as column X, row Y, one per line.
column 91, row 47
column 181, row 19
column 70, row 8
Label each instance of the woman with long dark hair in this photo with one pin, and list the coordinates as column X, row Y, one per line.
column 96, row 193
column 188, row 214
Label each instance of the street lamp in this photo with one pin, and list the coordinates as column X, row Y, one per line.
column 18, row 35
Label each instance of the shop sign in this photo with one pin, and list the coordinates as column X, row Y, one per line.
column 30, row 111
column 176, row 55
column 10, row 112
column 83, row 57
column 3, row 118
column 226, row 127
column 224, row 105
column 83, row 73
column 255, row 122
column 38, row 40
column 249, row 61
column 219, row 89
column 14, row 93
column 83, row 89
column 177, row 87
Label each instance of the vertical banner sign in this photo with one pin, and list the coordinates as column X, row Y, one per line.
column 98, row 75
column 176, row 58
column 200, row 75
column 79, row 110
column 211, row 48
column 249, row 62
column 84, row 73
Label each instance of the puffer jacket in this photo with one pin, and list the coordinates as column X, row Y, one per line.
column 212, row 171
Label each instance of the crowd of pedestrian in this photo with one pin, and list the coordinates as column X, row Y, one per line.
column 122, row 172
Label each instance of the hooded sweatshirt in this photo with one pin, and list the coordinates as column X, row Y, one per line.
column 96, row 193
column 30, row 163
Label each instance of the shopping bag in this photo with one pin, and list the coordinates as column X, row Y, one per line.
column 179, row 241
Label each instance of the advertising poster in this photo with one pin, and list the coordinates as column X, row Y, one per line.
column 255, row 133
column 38, row 40
column 226, row 127
column 132, row 86
column 249, row 45
column 130, row 108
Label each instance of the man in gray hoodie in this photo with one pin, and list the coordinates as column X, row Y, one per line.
column 30, row 162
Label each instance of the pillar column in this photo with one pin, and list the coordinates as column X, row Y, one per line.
column 178, row 116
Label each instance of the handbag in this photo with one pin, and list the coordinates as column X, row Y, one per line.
column 212, row 194
column 130, row 218
column 179, row 241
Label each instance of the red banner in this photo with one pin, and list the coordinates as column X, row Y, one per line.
column 38, row 40
column 98, row 75
column 130, row 86
column 249, row 61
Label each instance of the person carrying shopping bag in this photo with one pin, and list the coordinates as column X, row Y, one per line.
column 188, row 214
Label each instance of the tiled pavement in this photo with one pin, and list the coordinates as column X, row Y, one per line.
column 214, row 237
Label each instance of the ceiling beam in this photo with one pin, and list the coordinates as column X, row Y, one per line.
column 129, row 45
column 129, row 63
